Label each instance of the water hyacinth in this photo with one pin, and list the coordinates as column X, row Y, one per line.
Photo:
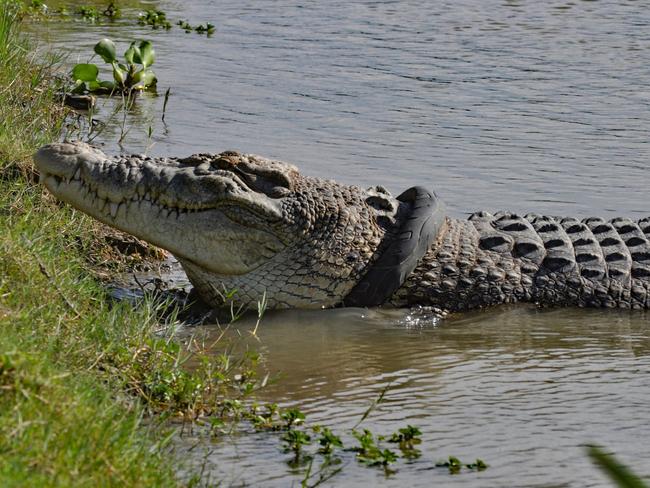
column 133, row 74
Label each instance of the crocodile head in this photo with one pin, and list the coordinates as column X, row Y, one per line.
column 235, row 222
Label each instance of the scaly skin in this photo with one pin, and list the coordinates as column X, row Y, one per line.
column 259, row 227
column 505, row 258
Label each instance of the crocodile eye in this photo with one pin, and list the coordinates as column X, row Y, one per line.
column 279, row 192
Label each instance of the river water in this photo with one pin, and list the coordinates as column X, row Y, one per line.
column 519, row 105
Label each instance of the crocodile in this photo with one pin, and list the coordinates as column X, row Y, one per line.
column 258, row 226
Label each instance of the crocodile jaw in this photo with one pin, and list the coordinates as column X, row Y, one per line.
column 204, row 236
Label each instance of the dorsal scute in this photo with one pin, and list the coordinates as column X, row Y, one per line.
column 594, row 248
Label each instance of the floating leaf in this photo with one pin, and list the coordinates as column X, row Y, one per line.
column 107, row 86
column 106, row 49
column 85, row 72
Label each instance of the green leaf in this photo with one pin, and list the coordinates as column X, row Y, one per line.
column 130, row 53
column 149, row 79
column 94, row 86
column 133, row 54
column 144, row 79
column 85, row 72
column 119, row 75
column 106, row 49
column 148, row 55
column 107, row 86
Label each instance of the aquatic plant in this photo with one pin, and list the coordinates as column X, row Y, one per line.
column 185, row 25
column 327, row 440
column 295, row 440
column 62, row 11
column 20, row 9
column 155, row 18
column 132, row 75
column 36, row 7
column 208, row 28
column 112, row 11
column 455, row 465
column 93, row 14
column 89, row 14
column 407, row 438
column 369, row 450
column 292, row 417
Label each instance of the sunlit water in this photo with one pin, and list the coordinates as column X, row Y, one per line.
column 528, row 106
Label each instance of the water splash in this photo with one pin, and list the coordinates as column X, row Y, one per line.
column 420, row 317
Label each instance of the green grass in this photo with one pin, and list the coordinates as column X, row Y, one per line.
column 61, row 422
column 80, row 375
column 28, row 114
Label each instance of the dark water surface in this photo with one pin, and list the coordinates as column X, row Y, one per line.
column 527, row 106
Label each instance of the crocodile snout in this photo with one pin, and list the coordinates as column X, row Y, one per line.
column 62, row 159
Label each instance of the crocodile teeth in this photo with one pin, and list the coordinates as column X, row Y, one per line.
column 113, row 208
column 77, row 175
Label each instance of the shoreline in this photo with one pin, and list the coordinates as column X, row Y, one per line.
column 82, row 377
